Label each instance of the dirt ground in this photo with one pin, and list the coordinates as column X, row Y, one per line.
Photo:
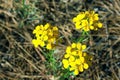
column 19, row 60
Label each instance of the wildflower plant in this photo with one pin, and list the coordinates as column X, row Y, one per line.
column 88, row 20
column 46, row 36
column 76, row 59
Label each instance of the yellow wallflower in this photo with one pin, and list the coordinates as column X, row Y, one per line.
column 74, row 52
column 66, row 63
column 35, row 42
column 68, row 50
column 49, row 46
column 71, row 58
column 87, row 20
column 55, row 28
column 78, row 45
column 45, row 36
column 81, row 68
column 85, row 66
column 42, row 43
column 73, row 45
column 67, row 55
column 83, row 47
column 99, row 25
column 76, row 71
column 75, row 59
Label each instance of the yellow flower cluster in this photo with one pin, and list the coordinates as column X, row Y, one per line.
column 76, row 59
column 87, row 21
column 46, row 36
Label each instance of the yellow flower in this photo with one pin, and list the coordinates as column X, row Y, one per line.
column 81, row 16
column 76, row 72
column 65, row 63
column 74, row 53
column 68, row 50
column 73, row 45
column 67, row 55
column 78, row 46
column 49, row 46
column 92, row 27
column 83, row 47
column 46, row 36
column 81, row 68
column 85, row 66
column 72, row 64
column 80, row 53
column 99, row 25
column 86, row 21
column 42, row 43
column 76, row 59
column 35, row 42
column 78, row 26
column 36, row 30
column 95, row 17
column 71, row 58
column 46, row 26
column 82, row 59
column 50, row 32
column 84, row 54
column 55, row 28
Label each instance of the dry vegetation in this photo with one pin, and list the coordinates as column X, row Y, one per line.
column 19, row 60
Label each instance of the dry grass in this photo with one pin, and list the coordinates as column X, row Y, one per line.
column 19, row 60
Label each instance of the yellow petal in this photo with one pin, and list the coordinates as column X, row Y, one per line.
column 68, row 49
column 81, row 68
column 72, row 64
column 65, row 63
column 75, row 19
column 46, row 26
column 77, row 25
column 100, row 25
column 91, row 27
column 44, row 33
column 71, row 58
column 76, row 72
column 82, row 59
column 35, row 42
column 38, row 27
column 49, row 46
column 72, row 68
column 67, row 55
column 84, row 23
column 42, row 43
column 45, row 38
column 55, row 29
column 81, row 16
column 78, row 61
column 73, row 45
column 74, row 53
column 80, row 53
column 79, row 46
column 85, row 66
column 96, row 17
column 84, row 54
column 86, row 28
column 83, row 47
